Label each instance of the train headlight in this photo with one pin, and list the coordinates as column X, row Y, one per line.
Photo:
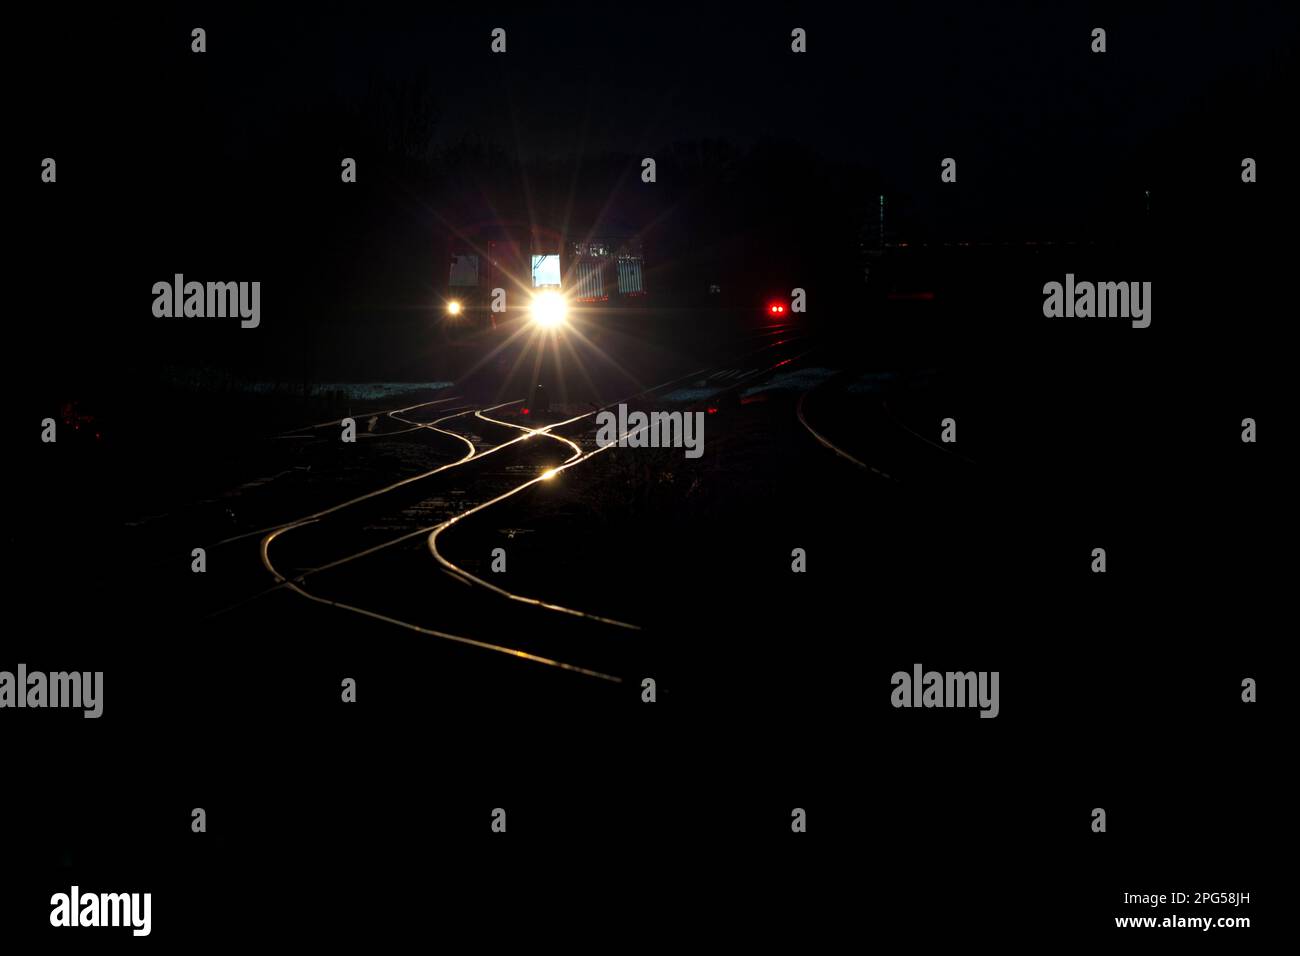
column 549, row 310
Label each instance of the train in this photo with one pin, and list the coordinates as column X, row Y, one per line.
column 491, row 271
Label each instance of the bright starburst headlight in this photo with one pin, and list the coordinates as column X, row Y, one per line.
column 549, row 310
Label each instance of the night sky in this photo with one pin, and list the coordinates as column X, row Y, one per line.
column 1011, row 90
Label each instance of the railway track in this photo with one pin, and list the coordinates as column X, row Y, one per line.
column 296, row 581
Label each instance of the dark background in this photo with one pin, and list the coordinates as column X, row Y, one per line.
column 628, row 822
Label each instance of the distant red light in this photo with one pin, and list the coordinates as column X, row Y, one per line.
column 525, row 411
column 713, row 411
